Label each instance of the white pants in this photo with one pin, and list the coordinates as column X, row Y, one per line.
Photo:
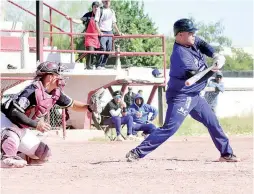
column 23, row 140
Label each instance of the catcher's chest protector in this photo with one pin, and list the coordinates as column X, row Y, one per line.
column 44, row 102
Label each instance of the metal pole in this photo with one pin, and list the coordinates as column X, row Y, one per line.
column 51, row 28
column 160, row 105
column 64, row 123
column 164, row 59
column 39, row 31
column 72, row 48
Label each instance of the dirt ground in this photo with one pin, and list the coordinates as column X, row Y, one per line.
column 179, row 166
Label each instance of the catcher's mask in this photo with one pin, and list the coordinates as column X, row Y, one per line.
column 49, row 67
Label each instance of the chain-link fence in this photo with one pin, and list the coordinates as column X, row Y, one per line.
column 11, row 86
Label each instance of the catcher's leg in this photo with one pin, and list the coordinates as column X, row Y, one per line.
column 35, row 150
column 10, row 140
column 9, row 147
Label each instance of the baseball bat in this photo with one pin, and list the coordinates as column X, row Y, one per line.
column 195, row 78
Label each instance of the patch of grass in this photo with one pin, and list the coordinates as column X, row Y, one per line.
column 190, row 127
column 100, row 139
column 231, row 125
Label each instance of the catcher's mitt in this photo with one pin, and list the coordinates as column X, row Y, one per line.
column 95, row 101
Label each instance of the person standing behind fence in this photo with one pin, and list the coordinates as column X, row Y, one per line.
column 129, row 97
column 140, row 92
column 91, row 41
column 105, row 19
column 218, row 86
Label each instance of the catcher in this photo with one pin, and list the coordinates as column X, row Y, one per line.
column 26, row 110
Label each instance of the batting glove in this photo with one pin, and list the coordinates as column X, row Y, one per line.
column 218, row 60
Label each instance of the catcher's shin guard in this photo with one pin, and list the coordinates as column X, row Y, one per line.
column 43, row 152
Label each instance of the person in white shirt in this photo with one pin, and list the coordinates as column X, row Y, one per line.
column 105, row 19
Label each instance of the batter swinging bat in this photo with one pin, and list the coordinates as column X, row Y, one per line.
column 198, row 76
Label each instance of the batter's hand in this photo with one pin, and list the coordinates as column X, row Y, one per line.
column 218, row 60
column 43, row 126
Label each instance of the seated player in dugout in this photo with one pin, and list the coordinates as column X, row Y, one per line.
column 140, row 112
column 115, row 112
column 91, row 42
column 27, row 110
column 186, row 61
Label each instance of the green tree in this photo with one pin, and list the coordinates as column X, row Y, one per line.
column 212, row 33
column 169, row 47
column 240, row 60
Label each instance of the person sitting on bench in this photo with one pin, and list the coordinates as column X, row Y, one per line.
column 115, row 113
column 140, row 112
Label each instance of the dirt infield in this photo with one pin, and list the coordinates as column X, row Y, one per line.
column 179, row 166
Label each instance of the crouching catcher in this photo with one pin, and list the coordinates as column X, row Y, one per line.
column 26, row 110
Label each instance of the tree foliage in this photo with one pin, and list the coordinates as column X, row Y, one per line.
column 212, row 33
column 240, row 60
column 131, row 19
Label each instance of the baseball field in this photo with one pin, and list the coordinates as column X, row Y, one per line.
column 181, row 165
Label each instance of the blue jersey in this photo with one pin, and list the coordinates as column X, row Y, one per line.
column 185, row 60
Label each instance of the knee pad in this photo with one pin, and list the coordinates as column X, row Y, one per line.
column 43, row 151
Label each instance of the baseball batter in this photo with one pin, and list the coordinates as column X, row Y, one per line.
column 187, row 60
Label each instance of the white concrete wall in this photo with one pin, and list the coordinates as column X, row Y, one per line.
column 231, row 103
column 14, row 58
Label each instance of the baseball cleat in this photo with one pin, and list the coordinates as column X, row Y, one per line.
column 229, row 158
column 131, row 156
column 13, row 162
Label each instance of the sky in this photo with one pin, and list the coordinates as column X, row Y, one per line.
column 236, row 16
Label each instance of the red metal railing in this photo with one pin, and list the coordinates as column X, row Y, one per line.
column 115, row 53
column 163, row 53
column 50, row 22
column 71, row 34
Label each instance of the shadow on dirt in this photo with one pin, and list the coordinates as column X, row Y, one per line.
column 105, row 162
column 176, row 159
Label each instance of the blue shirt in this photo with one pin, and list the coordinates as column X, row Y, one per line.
column 184, row 60
column 145, row 109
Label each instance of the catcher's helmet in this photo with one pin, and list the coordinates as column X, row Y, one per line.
column 184, row 25
column 49, row 67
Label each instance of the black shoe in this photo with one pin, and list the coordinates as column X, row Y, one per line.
column 9, row 66
column 229, row 158
column 131, row 156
